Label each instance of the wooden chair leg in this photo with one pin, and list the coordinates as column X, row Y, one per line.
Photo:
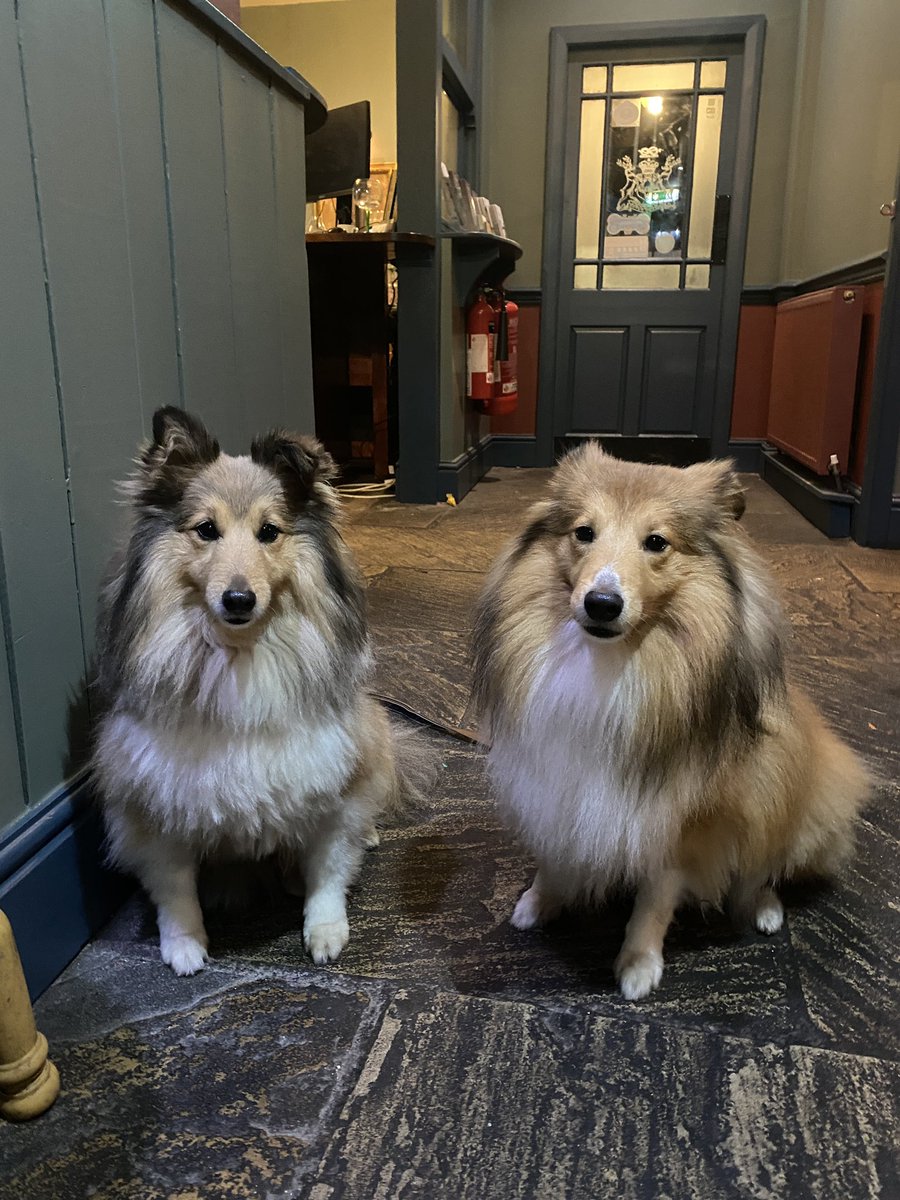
column 29, row 1082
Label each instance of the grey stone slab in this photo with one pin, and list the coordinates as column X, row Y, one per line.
column 782, row 528
column 876, row 570
column 389, row 514
column 425, row 549
column 846, row 939
column 467, row 1098
column 860, row 697
column 831, row 613
column 221, row 1085
column 427, row 670
column 405, row 598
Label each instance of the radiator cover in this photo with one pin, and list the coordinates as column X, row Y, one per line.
column 814, row 369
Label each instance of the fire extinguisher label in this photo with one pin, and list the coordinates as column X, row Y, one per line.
column 509, row 387
column 478, row 353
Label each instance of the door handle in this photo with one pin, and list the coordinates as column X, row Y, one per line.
column 889, row 208
column 721, row 216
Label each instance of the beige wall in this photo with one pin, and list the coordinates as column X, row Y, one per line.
column 846, row 137
column 516, row 78
column 345, row 48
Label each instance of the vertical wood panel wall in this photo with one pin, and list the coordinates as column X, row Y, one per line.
column 153, row 253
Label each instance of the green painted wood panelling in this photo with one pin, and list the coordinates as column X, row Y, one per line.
column 12, row 797
column 192, row 126
column 42, row 616
column 152, row 186
column 132, row 50
column 250, row 190
column 293, row 282
column 71, row 102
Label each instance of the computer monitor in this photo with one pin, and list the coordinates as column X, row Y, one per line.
column 337, row 154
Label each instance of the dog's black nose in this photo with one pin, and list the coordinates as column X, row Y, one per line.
column 238, row 603
column 603, row 606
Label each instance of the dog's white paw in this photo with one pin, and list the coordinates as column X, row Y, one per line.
column 769, row 916
column 638, row 973
column 533, row 910
column 371, row 838
column 326, row 941
column 183, row 953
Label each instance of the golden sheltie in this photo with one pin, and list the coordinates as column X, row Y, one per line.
column 233, row 658
column 629, row 664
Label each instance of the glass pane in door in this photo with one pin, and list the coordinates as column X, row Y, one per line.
column 585, row 276
column 645, row 77
column 712, row 74
column 642, row 276
column 648, row 163
column 706, row 170
column 590, row 178
column 649, row 149
column 593, row 80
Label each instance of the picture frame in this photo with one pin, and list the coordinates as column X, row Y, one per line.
column 386, row 174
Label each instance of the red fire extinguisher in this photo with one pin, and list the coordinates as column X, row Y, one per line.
column 506, row 372
column 480, row 330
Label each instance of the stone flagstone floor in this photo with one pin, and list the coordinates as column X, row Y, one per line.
column 449, row 1056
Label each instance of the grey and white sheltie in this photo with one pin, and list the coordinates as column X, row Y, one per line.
column 233, row 657
column 630, row 672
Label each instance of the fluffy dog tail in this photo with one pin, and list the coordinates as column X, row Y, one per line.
column 415, row 771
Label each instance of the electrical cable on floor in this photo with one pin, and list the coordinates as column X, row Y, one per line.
column 454, row 731
column 365, row 491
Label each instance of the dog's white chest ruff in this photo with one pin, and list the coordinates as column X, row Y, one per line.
column 249, row 788
column 556, row 778
column 245, row 767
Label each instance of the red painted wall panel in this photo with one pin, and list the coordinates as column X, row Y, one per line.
column 753, row 371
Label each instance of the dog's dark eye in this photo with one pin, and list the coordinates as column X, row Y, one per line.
column 655, row 543
column 206, row 531
column 268, row 533
column 584, row 533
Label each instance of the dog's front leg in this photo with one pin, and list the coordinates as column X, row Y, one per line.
column 538, row 904
column 332, row 861
column 169, row 874
column 639, row 966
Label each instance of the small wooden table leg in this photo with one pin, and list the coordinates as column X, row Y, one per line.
column 29, row 1082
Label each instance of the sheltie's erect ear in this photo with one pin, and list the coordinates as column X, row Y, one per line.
column 717, row 479
column 303, row 466
column 179, row 447
column 179, row 440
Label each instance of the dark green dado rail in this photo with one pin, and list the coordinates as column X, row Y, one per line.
column 154, row 193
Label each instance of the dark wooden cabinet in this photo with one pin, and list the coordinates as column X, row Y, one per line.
column 354, row 344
